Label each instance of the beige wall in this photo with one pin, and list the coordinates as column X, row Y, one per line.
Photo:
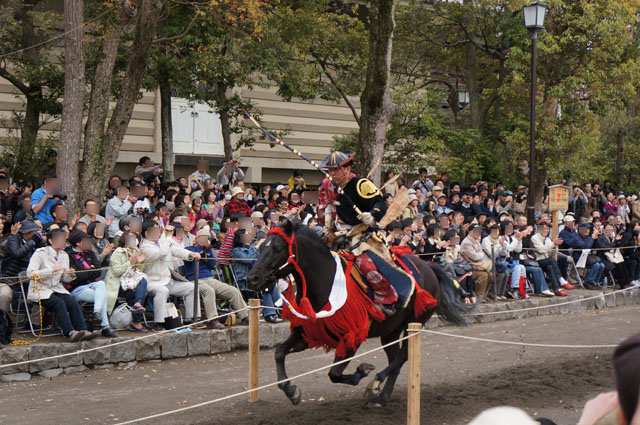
column 312, row 125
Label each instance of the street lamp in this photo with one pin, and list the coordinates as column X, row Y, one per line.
column 534, row 15
column 463, row 98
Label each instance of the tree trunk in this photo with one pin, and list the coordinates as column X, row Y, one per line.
column 377, row 108
column 166, row 127
column 28, row 134
column 101, row 158
column 73, row 106
column 223, row 111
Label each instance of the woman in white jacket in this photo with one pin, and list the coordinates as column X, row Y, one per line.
column 517, row 271
column 49, row 270
column 160, row 284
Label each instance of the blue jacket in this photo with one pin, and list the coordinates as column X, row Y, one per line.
column 575, row 241
column 243, row 260
column 206, row 266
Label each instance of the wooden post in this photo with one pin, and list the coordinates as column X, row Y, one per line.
column 413, row 391
column 196, row 292
column 554, row 222
column 254, row 347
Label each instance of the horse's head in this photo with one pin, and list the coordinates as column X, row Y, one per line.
column 272, row 262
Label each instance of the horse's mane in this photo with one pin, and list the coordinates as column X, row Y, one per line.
column 309, row 235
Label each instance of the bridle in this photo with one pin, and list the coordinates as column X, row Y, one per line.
column 293, row 256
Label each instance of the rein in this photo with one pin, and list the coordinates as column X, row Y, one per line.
column 305, row 304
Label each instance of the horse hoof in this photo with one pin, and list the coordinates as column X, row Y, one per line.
column 365, row 368
column 373, row 390
column 297, row 397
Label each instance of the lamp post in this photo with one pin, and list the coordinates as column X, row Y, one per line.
column 534, row 21
column 463, row 98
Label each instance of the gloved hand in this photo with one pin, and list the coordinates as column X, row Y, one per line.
column 366, row 218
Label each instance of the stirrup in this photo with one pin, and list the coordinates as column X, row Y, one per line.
column 388, row 310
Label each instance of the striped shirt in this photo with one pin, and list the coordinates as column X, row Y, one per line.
column 225, row 252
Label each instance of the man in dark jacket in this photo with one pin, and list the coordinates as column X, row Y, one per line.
column 17, row 254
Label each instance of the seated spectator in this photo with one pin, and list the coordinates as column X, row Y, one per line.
column 545, row 249
column 237, row 205
column 460, row 270
column 44, row 198
column 91, row 214
column 411, row 209
column 51, row 267
column 211, row 289
column 87, row 285
column 160, row 283
column 127, row 256
column 442, row 205
column 245, row 256
column 99, row 245
column 18, row 251
column 494, row 247
column 471, row 250
column 586, row 239
column 488, row 207
column 117, row 208
column 24, row 211
column 611, row 256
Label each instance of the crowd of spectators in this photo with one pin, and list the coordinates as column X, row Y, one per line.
column 481, row 235
column 161, row 228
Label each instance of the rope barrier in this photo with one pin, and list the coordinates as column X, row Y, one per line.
column 526, row 344
column 102, row 347
column 603, row 294
column 144, row 264
column 311, row 372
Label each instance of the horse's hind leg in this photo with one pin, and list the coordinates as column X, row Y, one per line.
column 392, row 371
column 293, row 344
column 337, row 376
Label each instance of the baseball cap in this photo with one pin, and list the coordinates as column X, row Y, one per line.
column 568, row 217
column 503, row 415
column 257, row 214
column 280, row 187
column 621, row 197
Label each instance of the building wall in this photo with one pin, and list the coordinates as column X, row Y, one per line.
column 311, row 126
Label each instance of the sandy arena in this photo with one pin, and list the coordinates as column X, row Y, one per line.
column 460, row 378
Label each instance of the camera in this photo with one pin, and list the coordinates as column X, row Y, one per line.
column 60, row 196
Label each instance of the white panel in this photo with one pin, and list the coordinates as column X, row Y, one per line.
column 182, row 119
column 208, row 131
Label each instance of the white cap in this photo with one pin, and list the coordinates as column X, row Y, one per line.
column 280, row 187
column 503, row 415
column 568, row 218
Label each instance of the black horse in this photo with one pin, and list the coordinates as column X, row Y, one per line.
column 318, row 266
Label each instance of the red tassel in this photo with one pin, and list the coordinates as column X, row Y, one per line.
column 306, row 309
column 424, row 301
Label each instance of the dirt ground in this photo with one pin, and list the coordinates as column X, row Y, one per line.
column 460, row 378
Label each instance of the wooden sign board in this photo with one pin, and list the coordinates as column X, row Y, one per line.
column 558, row 198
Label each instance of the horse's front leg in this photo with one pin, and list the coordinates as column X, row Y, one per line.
column 337, row 376
column 293, row 344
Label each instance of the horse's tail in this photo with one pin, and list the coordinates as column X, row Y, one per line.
column 450, row 308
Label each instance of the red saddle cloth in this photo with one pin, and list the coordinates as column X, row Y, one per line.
column 346, row 329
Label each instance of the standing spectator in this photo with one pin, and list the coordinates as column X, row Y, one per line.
column 391, row 188
column 52, row 264
column 160, row 283
column 635, row 208
column 471, row 250
column 611, row 205
column 91, row 213
column 146, row 167
column 623, row 209
column 44, row 198
column 423, row 182
column 230, row 173
column 117, row 208
column 87, row 285
column 199, row 176
column 296, row 181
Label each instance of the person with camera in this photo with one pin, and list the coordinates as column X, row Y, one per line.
column 230, row 173
column 210, row 288
column 117, row 208
column 46, row 197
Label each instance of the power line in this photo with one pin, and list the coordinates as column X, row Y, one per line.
column 57, row 37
